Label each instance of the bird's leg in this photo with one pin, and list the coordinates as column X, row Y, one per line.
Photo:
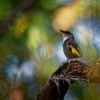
column 82, row 60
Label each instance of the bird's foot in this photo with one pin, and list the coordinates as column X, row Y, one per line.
column 82, row 60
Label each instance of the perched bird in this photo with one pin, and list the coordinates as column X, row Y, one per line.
column 70, row 47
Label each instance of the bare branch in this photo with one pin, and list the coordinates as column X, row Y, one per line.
column 68, row 73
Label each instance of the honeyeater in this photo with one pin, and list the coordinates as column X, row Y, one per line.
column 70, row 47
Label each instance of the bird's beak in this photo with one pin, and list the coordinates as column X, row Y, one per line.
column 62, row 31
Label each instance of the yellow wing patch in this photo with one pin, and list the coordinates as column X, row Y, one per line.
column 74, row 51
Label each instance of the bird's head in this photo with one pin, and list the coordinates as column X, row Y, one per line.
column 67, row 35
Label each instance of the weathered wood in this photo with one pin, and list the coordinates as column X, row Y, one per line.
column 67, row 74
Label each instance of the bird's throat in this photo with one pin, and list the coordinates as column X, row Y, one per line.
column 65, row 38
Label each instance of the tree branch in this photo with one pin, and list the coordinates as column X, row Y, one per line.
column 68, row 73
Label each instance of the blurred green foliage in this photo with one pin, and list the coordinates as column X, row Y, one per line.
column 32, row 36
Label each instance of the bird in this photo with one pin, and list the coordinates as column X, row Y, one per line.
column 70, row 47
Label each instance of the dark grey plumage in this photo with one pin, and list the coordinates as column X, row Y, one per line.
column 70, row 47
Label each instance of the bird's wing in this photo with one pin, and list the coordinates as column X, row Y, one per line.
column 79, row 50
column 75, row 51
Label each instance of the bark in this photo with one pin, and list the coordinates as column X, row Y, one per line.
column 67, row 74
